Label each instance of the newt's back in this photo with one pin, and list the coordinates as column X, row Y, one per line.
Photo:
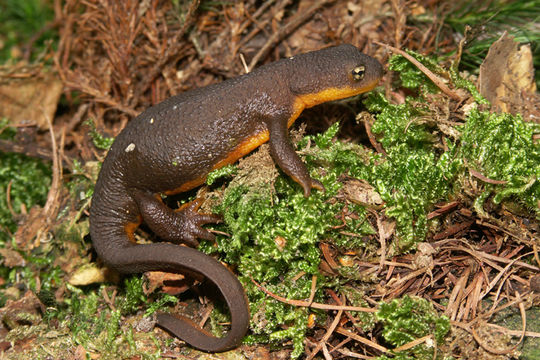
column 182, row 138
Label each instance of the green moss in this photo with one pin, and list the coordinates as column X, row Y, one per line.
column 85, row 320
column 100, row 141
column 468, row 85
column 225, row 171
column 30, row 180
column 358, row 226
column 275, row 235
column 160, row 303
column 97, row 326
column 113, row 331
column 408, row 319
column 410, row 76
column 134, row 295
column 501, row 147
column 413, row 176
column 7, row 132
column 365, row 321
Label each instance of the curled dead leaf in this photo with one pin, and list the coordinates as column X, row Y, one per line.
column 29, row 97
column 361, row 192
column 170, row 283
column 87, row 274
column 506, row 74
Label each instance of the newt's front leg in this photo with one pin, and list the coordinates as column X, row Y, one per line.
column 284, row 155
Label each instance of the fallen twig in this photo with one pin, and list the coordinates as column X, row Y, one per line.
column 484, row 178
column 436, row 80
column 360, row 339
column 327, row 335
column 313, row 304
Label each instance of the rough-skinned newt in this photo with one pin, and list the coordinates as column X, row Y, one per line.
column 172, row 146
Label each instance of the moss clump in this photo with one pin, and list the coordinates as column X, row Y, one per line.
column 98, row 326
column 410, row 76
column 30, row 180
column 414, row 175
column 225, row 171
column 100, row 141
column 408, row 319
column 501, row 147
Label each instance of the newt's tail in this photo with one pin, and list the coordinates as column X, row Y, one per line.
column 180, row 259
column 113, row 218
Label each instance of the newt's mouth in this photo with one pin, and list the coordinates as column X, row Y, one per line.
column 331, row 94
column 371, row 85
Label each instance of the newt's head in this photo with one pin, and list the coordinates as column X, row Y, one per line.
column 333, row 73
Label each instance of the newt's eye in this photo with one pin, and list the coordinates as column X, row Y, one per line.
column 358, row 72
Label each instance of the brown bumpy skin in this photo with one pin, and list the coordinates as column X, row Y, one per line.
column 171, row 148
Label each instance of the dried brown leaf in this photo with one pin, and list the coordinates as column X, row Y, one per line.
column 29, row 100
column 506, row 74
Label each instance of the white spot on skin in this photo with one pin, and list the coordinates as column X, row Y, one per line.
column 130, row 148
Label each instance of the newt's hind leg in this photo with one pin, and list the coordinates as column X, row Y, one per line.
column 180, row 226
